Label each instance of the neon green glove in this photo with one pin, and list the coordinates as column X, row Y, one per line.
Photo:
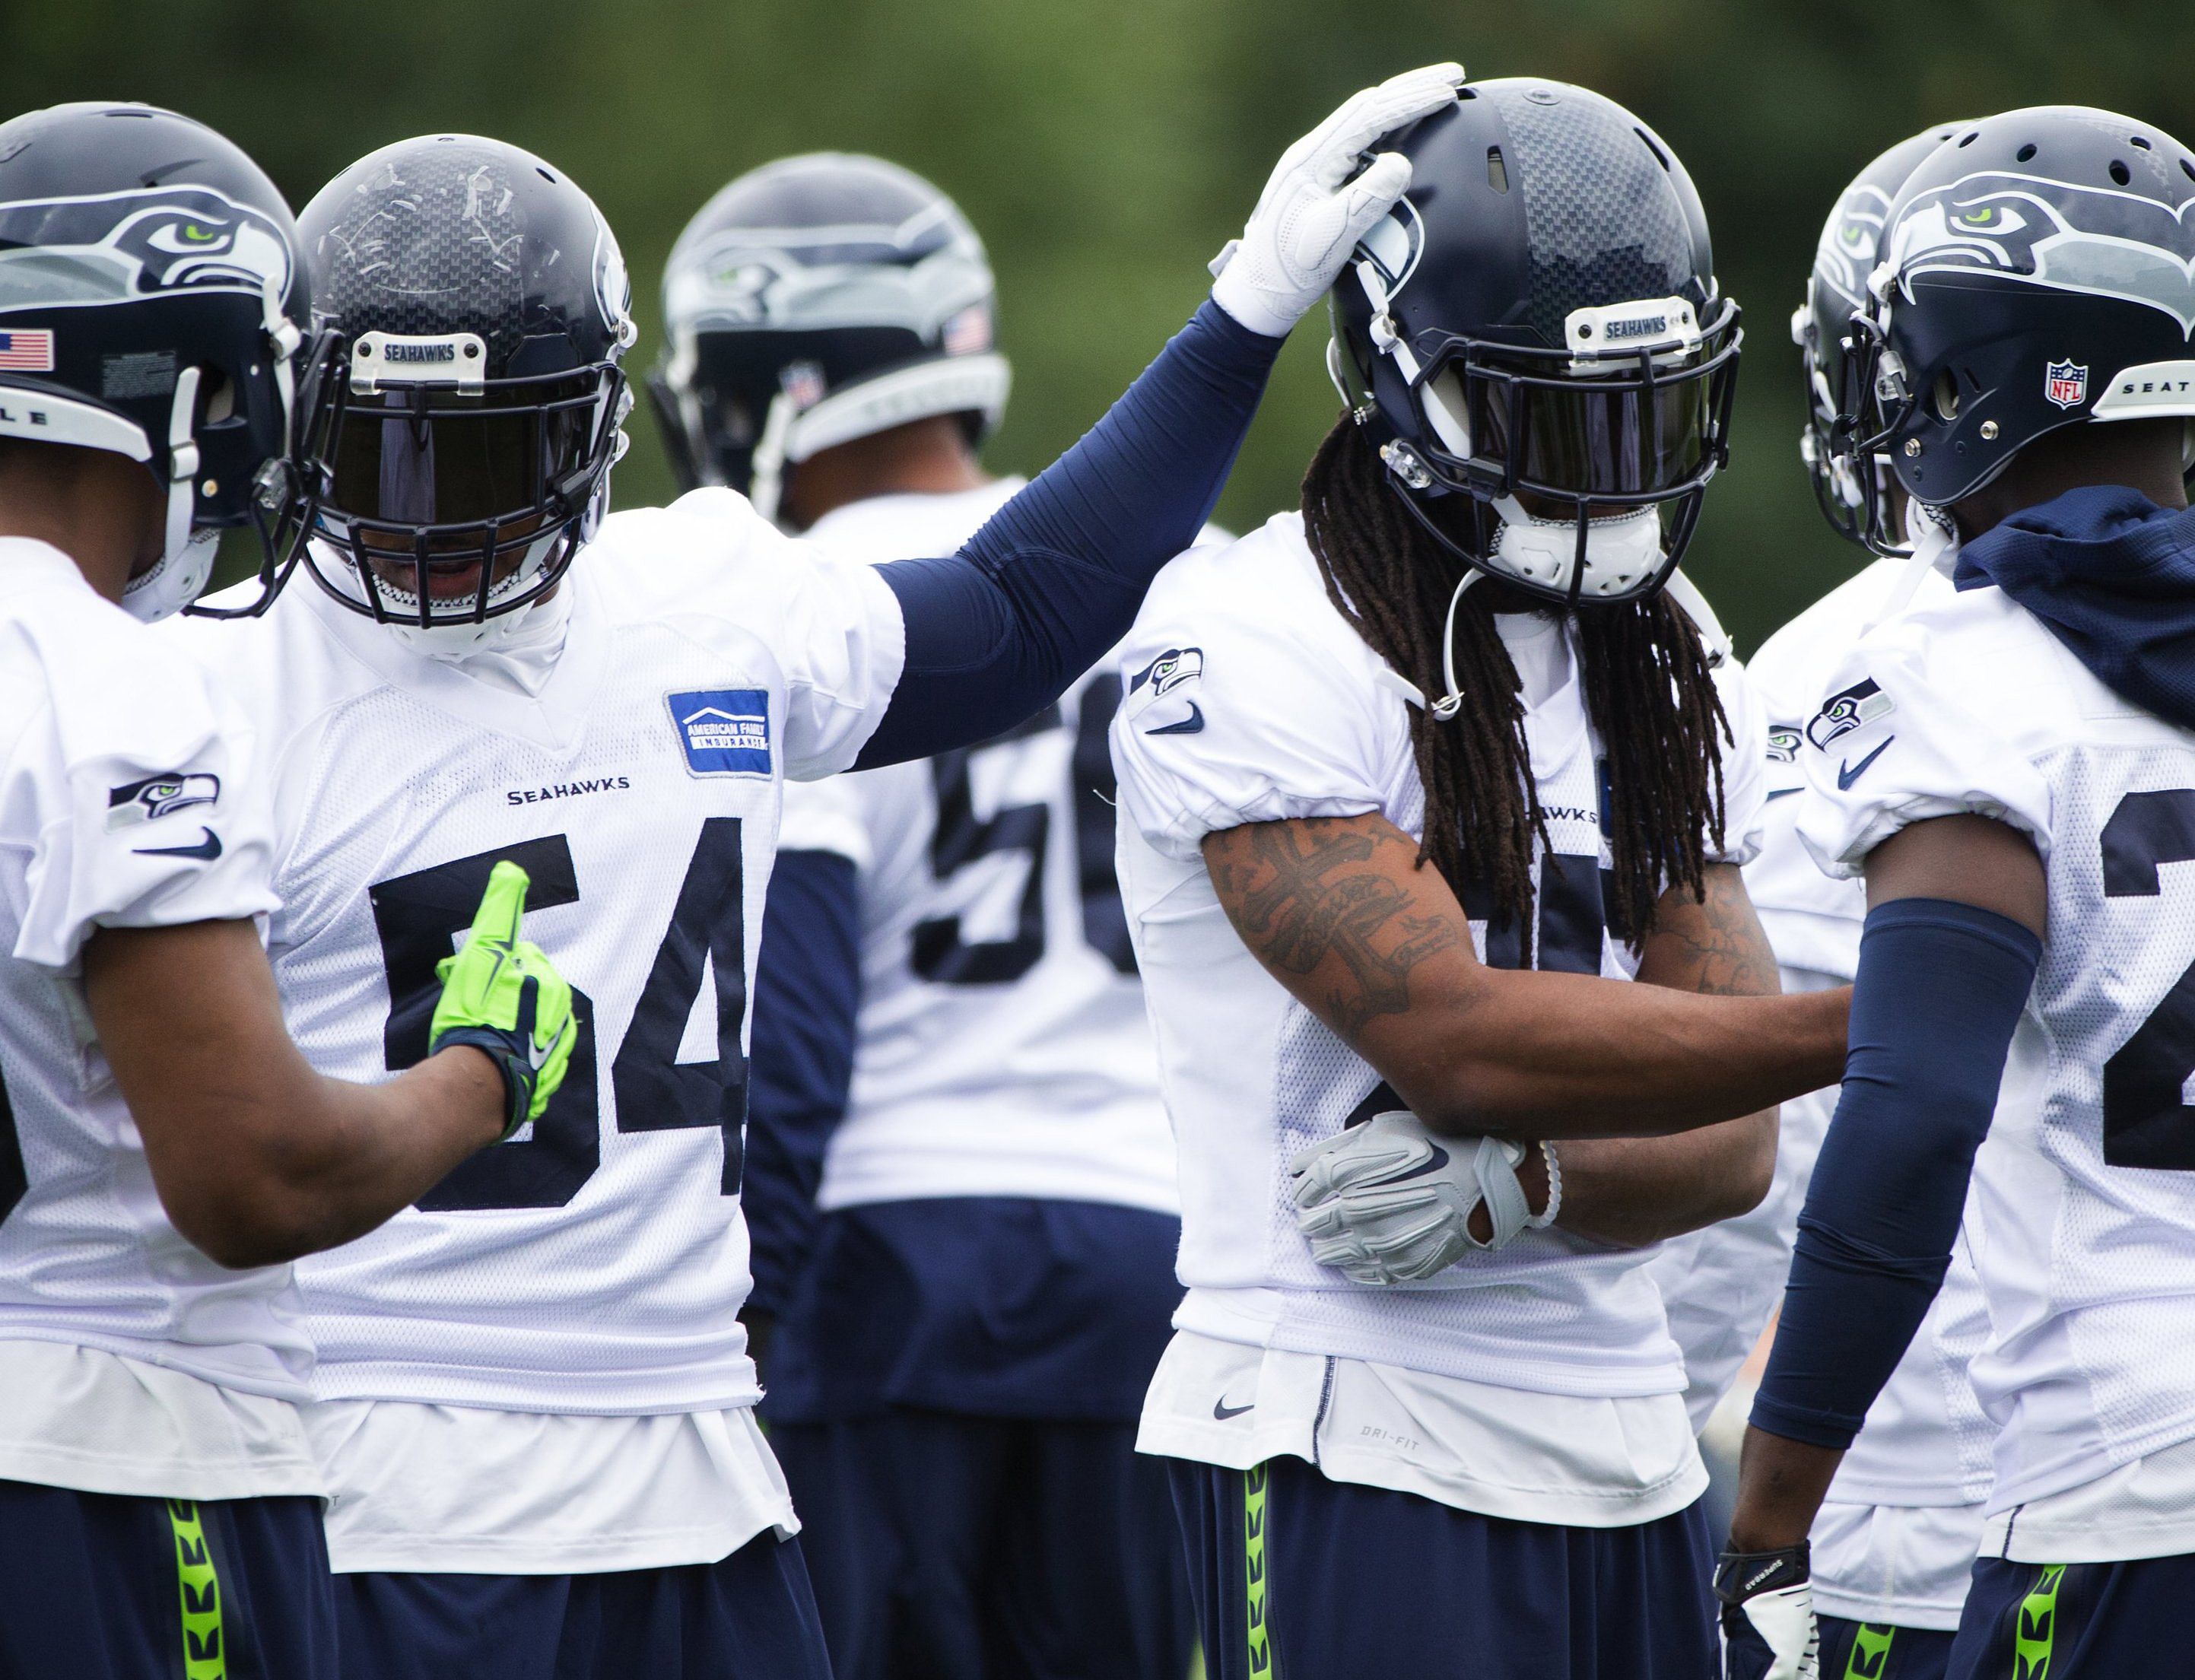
column 501, row 996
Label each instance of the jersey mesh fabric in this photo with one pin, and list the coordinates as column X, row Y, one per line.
column 1294, row 718
column 117, row 760
column 595, row 1263
column 1004, row 1049
column 2085, row 1256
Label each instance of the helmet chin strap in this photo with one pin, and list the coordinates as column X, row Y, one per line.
column 187, row 557
column 1935, row 543
column 767, row 486
column 1451, row 703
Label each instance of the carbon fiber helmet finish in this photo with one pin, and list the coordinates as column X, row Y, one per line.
column 480, row 306
column 1535, row 342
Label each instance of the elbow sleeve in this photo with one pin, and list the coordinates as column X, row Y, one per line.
column 1938, row 994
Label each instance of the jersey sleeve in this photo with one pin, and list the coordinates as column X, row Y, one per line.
column 834, row 626
column 1237, row 710
column 1744, row 767
column 1900, row 738
column 147, row 811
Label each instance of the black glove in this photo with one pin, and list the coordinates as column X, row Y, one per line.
column 1768, row 1630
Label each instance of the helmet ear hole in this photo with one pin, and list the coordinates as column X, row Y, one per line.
column 1946, row 396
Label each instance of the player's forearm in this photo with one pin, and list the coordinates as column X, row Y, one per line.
column 1633, row 1191
column 1780, row 1487
column 1561, row 1055
column 256, row 1157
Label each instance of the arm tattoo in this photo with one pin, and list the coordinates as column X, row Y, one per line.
column 1300, row 893
column 1714, row 945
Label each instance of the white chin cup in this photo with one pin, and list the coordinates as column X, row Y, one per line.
column 453, row 642
column 1622, row 553
column 175, row 582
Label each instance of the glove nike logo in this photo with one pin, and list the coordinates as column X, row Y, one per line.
column 1223, row 1410
column 1434, row 1164
column 1191, row 725
column 206, row 850
column 1849, row 773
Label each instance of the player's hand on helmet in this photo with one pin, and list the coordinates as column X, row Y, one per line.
column 1319, row 203
column 501, row 995
column 1768, row 1629
column 1386, row 1202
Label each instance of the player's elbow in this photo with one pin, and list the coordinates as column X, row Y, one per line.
column 1748, row 1167
column 240, row 1230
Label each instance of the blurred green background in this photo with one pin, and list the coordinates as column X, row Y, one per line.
column 1106, row 151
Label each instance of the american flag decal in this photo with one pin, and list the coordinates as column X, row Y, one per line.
column 969, row 332
column 26, row 350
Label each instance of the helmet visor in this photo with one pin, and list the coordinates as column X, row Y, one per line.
column 406, row 466
column 1584, row 441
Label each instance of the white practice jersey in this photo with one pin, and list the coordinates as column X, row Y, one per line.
column 1004, row 1049
column 597, row 1262
column 128, row 801
column 1926, row 1443
column 2085, row 1192
column 1250, row 699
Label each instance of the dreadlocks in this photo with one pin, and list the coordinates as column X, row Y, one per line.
column 1647, row 689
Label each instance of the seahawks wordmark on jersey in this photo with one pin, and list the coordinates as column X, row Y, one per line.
column 1004, row 1047
column 1250, row 699
column 2085, row 1190
column 597, row 1262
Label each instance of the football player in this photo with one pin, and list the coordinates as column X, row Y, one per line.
column 965, row 1335
column 1415, row 782
column 534, row 1400
column 2007, row 765
column 164, row 1150
column 1894, row 1545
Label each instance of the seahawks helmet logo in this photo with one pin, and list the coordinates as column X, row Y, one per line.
column 1783, row 743
column 1393, row 245
column 2050, row 233
column 1847, row 709
column 62, row 253
column 1849, row 240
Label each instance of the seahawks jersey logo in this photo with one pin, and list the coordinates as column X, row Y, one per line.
column 60, row 253
column 157, row 796
column 1173, row 668
column 1847, row 709
column 2050, row 233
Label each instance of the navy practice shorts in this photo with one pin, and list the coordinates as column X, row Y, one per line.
column 980, row 1548
column 1875, row 1651
column 1311, row 1580
column 748, row 1617
column 107, row 1586
column 2078, row 1621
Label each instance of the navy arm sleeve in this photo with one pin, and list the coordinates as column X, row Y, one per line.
column 1937, row 995
column 997, row 631
column 807, row 985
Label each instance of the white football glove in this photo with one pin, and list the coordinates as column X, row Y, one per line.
column 1768, row 1626
column 1386, row 1202
column 1311, row 214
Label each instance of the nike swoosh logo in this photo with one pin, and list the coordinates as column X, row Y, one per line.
column 1223, row 1410
column 1786, row 792
column 206, row 850
column 1190, row 725
column 1849, row 773
column 1438, row 1160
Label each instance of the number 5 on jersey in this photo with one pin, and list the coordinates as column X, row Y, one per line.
column 419, row 915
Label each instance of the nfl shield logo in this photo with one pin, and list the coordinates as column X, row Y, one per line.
column 2067, row 384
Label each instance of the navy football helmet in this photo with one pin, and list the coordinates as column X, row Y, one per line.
column 1536, row 339
column 816, row 299
column 1845, row 256
column 2038, row 271
column 150, row 295
column 459, row 448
